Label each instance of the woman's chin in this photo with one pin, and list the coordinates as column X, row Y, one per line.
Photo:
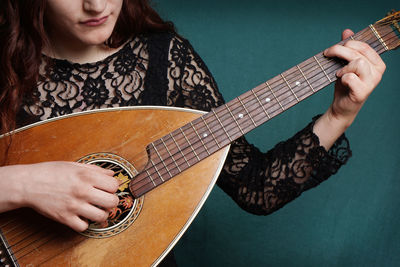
column 95, row 40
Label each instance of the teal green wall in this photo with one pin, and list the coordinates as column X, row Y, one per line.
column 353, row 219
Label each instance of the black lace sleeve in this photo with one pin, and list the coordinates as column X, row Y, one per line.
column 258, row 182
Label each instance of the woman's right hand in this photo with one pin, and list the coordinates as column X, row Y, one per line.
column 68, row 192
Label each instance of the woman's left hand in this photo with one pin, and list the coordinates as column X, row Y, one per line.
column 355, row 83
column 357, row 79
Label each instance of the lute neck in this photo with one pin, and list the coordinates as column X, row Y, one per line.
column 184, row 147
column 282, row 92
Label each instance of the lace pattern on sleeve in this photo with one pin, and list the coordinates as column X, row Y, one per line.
column 258, row 182
column 262, row 183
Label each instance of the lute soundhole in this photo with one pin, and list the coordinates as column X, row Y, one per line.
column 128, row 208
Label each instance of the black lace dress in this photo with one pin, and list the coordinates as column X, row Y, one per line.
column 164, row 70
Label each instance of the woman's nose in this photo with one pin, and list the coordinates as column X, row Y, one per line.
column 96, row 6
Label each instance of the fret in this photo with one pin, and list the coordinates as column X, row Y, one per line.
column 262, row 106
column 215, row 114
column 201, row 140
column 233, row 116
column 305, row 78
column 269, row 87
column 155, row 167
column 169, row 153
column 378, row 37
column 180, row 150
column 151, row 178
column 351, row 37
column 187, row 140
column 290, row 87
column 162, row 161
column 212, row 134
column 244, row 106
column 329, row 79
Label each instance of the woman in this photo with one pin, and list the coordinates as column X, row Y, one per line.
column 61, row 57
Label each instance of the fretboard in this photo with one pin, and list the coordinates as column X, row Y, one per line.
column 198, row 139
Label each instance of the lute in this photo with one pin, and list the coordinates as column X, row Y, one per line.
column 146, row 147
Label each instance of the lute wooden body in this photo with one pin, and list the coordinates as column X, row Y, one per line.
column 148, row 146
column 166, row 212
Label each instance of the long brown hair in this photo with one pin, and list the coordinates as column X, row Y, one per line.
column 23, row 36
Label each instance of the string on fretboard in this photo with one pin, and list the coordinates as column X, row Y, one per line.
column 196, row 140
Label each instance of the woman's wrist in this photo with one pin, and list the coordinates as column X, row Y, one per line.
column 329, row 127
column 12, row 196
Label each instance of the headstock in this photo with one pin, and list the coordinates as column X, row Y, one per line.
column 389, row 29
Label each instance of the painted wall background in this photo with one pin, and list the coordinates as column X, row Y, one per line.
column 353, row 218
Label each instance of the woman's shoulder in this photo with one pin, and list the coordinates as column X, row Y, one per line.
column 168, row 40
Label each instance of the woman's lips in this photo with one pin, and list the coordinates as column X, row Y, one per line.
column 95, row 21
